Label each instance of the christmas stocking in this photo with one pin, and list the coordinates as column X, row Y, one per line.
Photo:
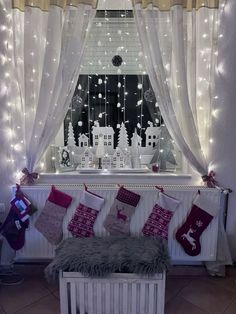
column 82, row 222
column 159, row 219
column 117, row 221
column 201, row 214
column 50, row 220
column 13, row 229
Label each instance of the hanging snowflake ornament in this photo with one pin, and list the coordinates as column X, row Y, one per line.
column 76, row 100
column 117, row 60
column 100, row 95
column 99, row 81
column 119, row 85
column 149, row 95
column 118, row 105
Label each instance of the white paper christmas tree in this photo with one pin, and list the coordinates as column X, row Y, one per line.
column 123, row 141
column 71, row 136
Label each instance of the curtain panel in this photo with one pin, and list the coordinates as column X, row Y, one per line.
column 44, row 5
column 180, row 49
column 165, row 5
column 45, row 43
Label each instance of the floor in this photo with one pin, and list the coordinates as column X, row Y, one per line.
column 184, row 294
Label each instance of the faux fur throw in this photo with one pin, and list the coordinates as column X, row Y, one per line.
column 100, row 256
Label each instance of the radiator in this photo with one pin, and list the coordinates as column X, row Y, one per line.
column 36, row 246
column 118, row 293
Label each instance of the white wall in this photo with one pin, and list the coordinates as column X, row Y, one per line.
column 224, row 129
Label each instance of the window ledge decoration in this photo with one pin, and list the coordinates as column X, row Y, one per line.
column 102, row 154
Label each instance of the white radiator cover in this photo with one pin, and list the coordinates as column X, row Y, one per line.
column 116, row 294
column 36, row 246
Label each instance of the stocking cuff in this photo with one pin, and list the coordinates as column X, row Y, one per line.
column 128, row 197
column 206, row 204
column 168, row 202
column 59, row 198
column 91, row 200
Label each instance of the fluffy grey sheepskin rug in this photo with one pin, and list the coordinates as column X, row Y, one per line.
column 100, row 256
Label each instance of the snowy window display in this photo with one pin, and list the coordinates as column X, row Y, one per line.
column 114, row 115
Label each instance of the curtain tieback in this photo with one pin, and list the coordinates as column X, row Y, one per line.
column 209, row 179
column 28, row 178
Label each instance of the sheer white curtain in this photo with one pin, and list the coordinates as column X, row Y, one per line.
column 42, row 49
column 179, row 49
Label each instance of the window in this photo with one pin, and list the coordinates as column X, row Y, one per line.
column 107, row 95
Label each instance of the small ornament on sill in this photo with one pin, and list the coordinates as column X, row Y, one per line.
column 155, row 168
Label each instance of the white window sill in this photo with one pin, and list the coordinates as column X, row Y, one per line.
column 114, row 178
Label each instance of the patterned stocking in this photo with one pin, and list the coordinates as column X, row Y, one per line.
column 49, row 223
column 81, row 224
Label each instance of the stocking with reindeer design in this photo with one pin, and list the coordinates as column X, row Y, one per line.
column 117, row 221
column 202, row 212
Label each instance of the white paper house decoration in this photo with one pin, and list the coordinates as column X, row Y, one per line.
column 152, row 136
column 87, row 159
column 106, row 162
column 83, row 141
column 108, row 137
column 118, row 159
